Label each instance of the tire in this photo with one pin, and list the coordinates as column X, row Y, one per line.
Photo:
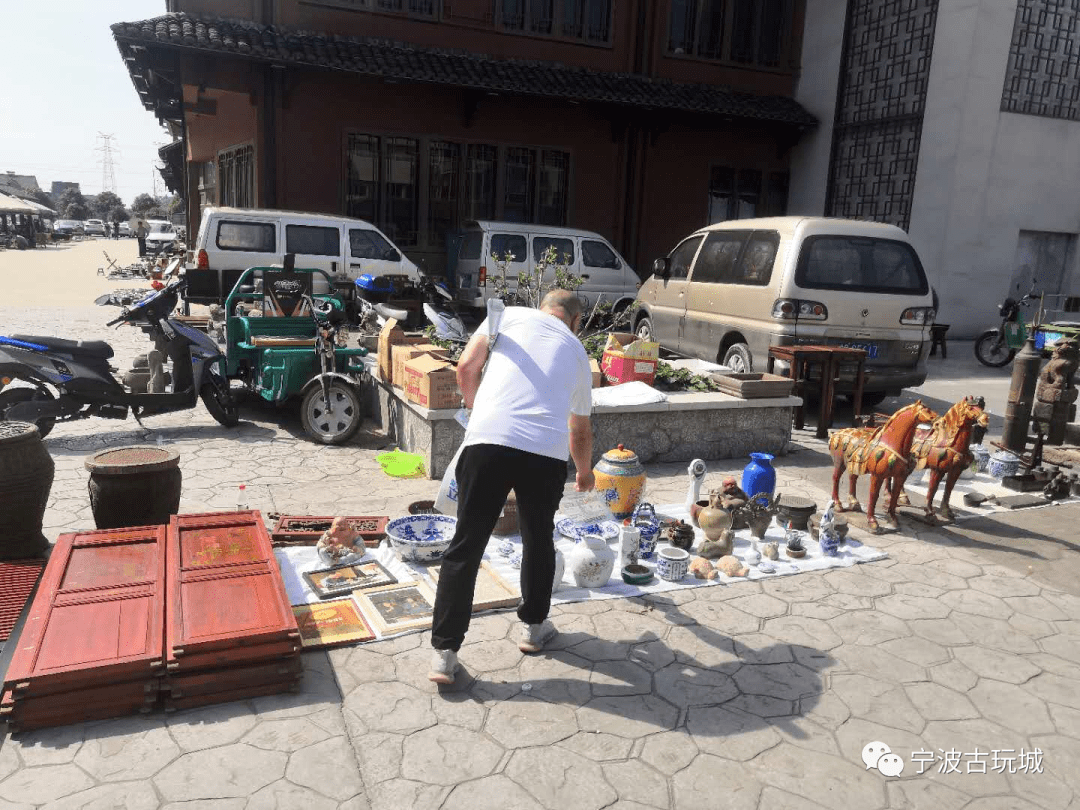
column 14, row 396
column 643, row 329
column 871, row 399
column 219, row 401
column 990, row 349
column 337, row 425
column 738, row 358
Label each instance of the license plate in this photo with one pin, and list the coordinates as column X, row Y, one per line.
column 871, row 349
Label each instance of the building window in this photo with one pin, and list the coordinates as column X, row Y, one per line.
column 585, row 20
column 415, row 8
column 207, row 183
column 236, row 177
column 744, row 31
column 382, row 185
column 420, row 190
column 1043, row 72
column 741, row 194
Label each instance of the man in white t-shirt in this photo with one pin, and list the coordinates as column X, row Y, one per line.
column 530, row 412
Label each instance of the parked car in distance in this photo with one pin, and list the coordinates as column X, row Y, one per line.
column 161, row 237
column 729, row 291
column 589, row 255
column 125, row 229
column 67, row 227
column 230, row 240
column 94, row 227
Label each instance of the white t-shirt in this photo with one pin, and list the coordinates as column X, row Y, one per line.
column 537, row 375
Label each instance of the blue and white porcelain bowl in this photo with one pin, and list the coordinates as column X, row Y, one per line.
column 421, row 538
column 608, row 529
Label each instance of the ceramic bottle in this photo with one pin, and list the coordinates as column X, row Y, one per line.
column 759, row 476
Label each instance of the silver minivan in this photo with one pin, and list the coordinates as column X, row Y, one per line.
column 728, row 292
column 589, row 255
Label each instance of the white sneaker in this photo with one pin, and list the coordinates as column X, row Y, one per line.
column 535, row 636
column 444, row 664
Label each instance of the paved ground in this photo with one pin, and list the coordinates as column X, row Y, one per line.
column 752, row 695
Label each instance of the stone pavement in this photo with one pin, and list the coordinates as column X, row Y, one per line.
column 750, row 695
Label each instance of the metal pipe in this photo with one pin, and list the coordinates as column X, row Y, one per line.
column 1025, row 375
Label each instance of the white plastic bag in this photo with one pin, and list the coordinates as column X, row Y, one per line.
column 447, row 499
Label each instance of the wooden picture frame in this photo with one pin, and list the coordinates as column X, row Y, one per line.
column 396, row 608
column 342, row 580
column 327, row 624
column 491, row 591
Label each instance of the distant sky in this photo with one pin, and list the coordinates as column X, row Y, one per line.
column 64, row 82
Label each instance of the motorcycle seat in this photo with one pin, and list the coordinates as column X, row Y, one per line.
column 86, row 348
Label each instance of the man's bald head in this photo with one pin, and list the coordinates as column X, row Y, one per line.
column 563, row 304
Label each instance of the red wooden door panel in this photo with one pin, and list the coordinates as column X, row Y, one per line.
column 98, row 613
column 225, row 590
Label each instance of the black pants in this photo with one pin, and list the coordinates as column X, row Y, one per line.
column 142, row 245
column 485, row 475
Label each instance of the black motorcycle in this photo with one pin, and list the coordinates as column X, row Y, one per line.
column 63, row 380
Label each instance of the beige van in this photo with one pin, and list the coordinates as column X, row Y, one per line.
column 729, row 291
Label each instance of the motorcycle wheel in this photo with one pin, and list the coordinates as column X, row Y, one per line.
column 990, row 349
column 336, row 424
column 219, row 401
column 14, row 396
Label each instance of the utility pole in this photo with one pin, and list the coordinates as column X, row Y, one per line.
column 108, row 170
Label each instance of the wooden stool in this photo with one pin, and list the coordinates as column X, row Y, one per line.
column 937, row 338
column 830, row 359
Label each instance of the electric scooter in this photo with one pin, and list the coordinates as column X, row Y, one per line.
column 63, row 380
column 997, row 347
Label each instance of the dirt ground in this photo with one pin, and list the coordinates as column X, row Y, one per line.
column 65, row 275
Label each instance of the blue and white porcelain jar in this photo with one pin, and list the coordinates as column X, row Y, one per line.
column 1003, row 463
column 672, row 563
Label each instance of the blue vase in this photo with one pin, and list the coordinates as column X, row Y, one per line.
column 759, row 476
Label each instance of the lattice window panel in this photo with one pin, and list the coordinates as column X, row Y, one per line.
column 1043, row 74
column 879, row 115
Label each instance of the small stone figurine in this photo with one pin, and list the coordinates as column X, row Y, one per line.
column 338, row 543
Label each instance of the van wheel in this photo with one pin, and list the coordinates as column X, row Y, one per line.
column 644, row 329
column 738, row 359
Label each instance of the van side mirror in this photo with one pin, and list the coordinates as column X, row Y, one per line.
column 662, row 268
column 392, row 255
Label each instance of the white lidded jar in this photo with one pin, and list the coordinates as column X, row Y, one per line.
column 591, row 562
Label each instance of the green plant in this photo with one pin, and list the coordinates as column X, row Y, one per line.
column 682, row 379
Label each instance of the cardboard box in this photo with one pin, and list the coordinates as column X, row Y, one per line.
column 597, row 374
column 432, row 383
column 390, row 335
column 403, row 352
column 627, row 359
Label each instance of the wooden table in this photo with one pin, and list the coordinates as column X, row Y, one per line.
column 830, row 358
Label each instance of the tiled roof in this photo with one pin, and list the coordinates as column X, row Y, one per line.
column 396, row 60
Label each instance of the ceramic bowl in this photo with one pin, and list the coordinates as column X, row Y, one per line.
column 672, row 564
column 421, row 538
column 636, row 574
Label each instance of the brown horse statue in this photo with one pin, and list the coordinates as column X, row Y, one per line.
column 944, row 449
column 883, row 453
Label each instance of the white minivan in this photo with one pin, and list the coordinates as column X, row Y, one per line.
column 728, row 292
column 231, row 240
column 589, row 255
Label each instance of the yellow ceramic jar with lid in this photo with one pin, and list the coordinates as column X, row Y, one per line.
column 620, row 479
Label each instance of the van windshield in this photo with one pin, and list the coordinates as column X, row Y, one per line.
column 860, row 264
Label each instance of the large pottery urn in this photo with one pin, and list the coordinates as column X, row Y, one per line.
column 26, row 477
column 714, row 520
column 759, row 476
column 134, row 486
column 591, row 562
column 620, row 478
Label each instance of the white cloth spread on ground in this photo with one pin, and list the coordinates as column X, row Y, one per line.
column 294, row 560
column 980, row 483
column 537, row 375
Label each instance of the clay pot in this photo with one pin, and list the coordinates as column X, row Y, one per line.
column 695, row 510
column 713, row 520
column 636, row 574
column 26, row 477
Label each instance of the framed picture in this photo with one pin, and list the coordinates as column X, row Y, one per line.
column 344, row 579
column 325, row 624
column 394, row 608
column 491, row 591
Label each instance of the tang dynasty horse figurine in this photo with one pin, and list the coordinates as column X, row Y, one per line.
column 944, row 450
column 883, row 453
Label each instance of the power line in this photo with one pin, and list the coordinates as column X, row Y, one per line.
column 108, row 170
